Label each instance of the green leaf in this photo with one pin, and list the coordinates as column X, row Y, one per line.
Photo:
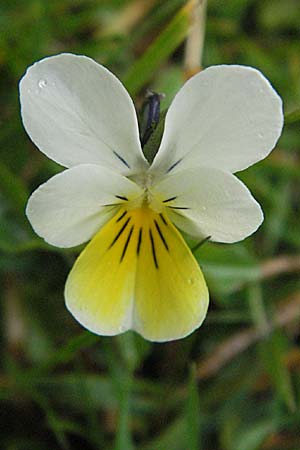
column 227, row 268
column 276, row 221
column 68, row 351
column 192, row 412
column 273, row 352
column 173, row 437
column 120, row 367
column 13, row 188
column 292, row 117
column 253, row 437
column 163, row 46
column 276, row 15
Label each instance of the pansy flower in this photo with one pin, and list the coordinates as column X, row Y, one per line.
column 137, row 272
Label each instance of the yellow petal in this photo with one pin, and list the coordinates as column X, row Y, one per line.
column 138, row 273
column 171, row 296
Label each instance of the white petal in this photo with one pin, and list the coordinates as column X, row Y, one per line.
column 77, row 112
column 70, row 208
column 210, row 202
column 226, row 117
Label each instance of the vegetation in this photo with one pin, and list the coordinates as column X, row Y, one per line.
column 232, row 385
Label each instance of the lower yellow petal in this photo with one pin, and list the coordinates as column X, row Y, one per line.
column 138, row 273
column 100, row 287
column 171, row 296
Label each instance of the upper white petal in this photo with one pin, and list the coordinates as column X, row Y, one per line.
column 227, row 117
column 210, row 202
column 76, row 112
column 70, row 208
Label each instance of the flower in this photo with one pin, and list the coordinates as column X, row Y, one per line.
column 137, row 272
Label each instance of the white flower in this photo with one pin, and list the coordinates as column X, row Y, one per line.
column 137, row 272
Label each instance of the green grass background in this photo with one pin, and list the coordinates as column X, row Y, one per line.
column 233, row 384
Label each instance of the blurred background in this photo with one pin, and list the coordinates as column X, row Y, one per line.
column 232, row 385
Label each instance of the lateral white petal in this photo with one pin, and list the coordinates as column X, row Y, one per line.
column 77, row 112
column 227, row 117
column 210, row 202
column 70, row 208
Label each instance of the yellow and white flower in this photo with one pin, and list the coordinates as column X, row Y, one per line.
column 137, row 272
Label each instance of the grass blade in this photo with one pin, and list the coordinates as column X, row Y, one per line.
column 163, row 46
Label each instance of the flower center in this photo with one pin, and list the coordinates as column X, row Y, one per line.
column 147, row 199
column 143, row 179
